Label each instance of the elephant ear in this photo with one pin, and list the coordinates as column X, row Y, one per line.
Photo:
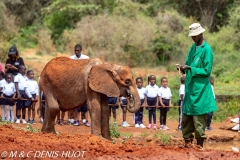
column 102, row 79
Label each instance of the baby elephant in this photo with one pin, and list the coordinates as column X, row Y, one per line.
column 69, row 84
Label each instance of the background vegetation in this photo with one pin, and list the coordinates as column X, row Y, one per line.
column 137, row 33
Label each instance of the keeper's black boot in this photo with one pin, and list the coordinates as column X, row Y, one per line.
column 188, row 143
column 200, row 142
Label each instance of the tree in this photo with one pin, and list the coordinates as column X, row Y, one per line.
column 26, row 12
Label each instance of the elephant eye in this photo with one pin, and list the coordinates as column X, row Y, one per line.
column 128, row 82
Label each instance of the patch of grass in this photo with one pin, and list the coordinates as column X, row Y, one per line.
column 114, row 130
column 126, row 135
column 164, row 138
column 29, row 128
column 226, row 109
column 4, row 122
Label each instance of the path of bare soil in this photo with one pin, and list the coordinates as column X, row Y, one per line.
column 77, row 141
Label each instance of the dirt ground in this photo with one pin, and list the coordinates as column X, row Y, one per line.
column 76, row 142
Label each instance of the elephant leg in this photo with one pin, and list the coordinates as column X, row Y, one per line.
column 105, row 118
column 51, row 110
column 95, row 113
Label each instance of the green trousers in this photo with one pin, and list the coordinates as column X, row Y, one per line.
column 194, row 124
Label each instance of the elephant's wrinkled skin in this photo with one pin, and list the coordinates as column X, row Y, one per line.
column 69, row 84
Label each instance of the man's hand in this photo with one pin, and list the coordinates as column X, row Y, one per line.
column 184, row 67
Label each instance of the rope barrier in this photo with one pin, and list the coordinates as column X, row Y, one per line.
column 147, row 106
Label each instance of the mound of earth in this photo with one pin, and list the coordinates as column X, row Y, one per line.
column 227, row 124
column 19, row 144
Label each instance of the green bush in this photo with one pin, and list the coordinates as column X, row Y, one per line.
column 64, row 14
column 27, row 37
column 226, row 110
column 164, row 138
column 114, row 130
column 114, row 38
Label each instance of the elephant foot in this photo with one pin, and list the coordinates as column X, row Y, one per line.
column 108, row 138
column 49, row 130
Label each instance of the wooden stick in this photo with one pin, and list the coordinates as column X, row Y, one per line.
column 145, row 107
column 22, row 99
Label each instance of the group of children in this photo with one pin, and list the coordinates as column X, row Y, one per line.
column 22, row 88
column 152, row 98
column 25, row 89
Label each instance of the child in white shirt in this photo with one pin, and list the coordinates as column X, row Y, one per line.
column 151, row 101
column 210, row 115
column 21, row 90
column 165, row 102
column 2, row 82
column 139, row 114
column 123, row 102
column 8, row 92
column 33, row 89
column 180, row 103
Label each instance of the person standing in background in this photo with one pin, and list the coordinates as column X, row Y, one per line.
column 180, row 103
column 139, row 114
column 198, row 99
column 14, row 61
column 210, row 114
column 84, row 111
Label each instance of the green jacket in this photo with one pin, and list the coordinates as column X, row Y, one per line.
column 198, row 98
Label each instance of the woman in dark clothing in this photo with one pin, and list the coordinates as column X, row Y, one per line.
column 13, row 61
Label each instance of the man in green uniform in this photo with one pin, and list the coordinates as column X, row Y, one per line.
column 198, row 100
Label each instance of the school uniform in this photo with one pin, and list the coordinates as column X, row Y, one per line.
column 124, row 102
column 2, row 82
column 84, row 108
column 151, row 92
column 139, row 113
column 23, row 89
column 210, row 114
column 112, row 100
column 33, row 89
column 180, row 103
column 81, row 57
column 165, row 94
column 8, row 92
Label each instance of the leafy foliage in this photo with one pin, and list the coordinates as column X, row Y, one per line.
column 114, row 130
column 7, row 31
column 26, row 12
column 165, row 138
column 63, row 14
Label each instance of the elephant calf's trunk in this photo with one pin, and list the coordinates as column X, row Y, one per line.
column 131, row 105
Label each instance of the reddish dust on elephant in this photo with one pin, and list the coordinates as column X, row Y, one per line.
column 68, row 84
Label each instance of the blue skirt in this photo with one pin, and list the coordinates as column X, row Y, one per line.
column 151, row 102
column 112, row 100
column 28, row 103
column 8, row 101
column 166, row 103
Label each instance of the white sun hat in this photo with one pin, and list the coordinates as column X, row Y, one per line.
column 195, row 29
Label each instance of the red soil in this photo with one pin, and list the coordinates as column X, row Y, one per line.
column 78, row 141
